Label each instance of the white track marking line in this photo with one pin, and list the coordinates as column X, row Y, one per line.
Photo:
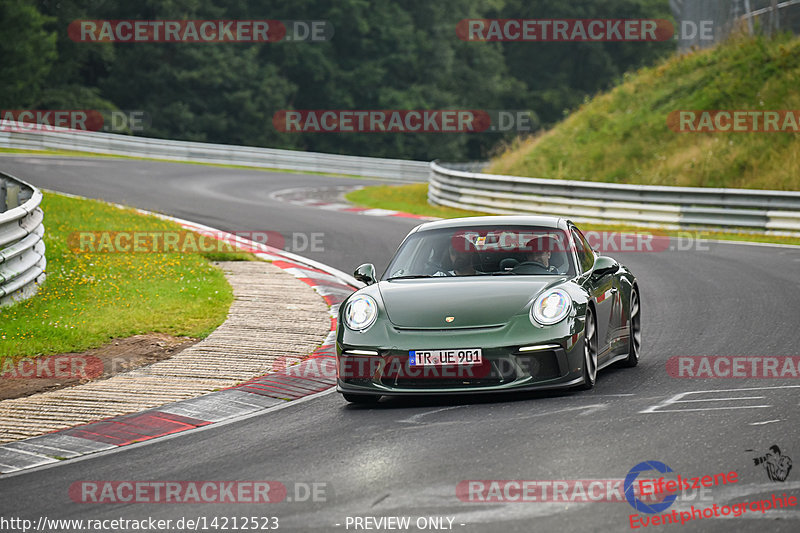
column 709, row 409
column 722, row 399
column 678, row 398
column 415, row 419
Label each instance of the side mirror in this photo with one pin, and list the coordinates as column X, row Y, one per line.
column 366, row 274
column 604, row 265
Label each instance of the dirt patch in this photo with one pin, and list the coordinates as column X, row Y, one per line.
column 28, row 376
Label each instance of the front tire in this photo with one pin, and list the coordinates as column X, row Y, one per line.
column 589, row 351
column 361, row 399
column 634, row 331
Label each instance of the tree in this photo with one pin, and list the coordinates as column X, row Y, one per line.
column 27, row 52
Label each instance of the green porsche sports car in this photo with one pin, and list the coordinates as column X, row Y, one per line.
column 487, row 304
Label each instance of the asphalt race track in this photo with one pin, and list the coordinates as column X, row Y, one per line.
column 406, row 457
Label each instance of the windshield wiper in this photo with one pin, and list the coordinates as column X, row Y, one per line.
column 412, row 276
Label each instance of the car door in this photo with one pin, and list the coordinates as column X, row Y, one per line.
column 617, row 333
column 603, row 292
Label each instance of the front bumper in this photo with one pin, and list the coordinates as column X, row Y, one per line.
column 555, row 363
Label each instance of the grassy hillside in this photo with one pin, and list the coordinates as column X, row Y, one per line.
column 622, row 136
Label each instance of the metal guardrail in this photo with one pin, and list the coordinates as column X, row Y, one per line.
column 22, row 258
column 722, row 18
column 29, row 137
column 773, row 212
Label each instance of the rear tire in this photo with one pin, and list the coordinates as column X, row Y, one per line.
column 589, row 351
column 634, row 331
column 361, row 399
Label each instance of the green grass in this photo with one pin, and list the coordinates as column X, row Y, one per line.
column 622, row 136
column 42, row 152
column 90, row 298
column 414, row 199
column 406, row 198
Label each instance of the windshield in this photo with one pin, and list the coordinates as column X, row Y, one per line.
column 499, row 250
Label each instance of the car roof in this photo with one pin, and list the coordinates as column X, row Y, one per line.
column 506, row 220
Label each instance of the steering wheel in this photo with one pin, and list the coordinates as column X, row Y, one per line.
column 433, row 266
column 529, row 267
column 509, row 263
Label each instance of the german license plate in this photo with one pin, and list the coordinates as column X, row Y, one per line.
column 461, row 356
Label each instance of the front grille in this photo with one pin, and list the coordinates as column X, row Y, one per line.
column 357, row 381
column 408, row 383
column 402, row 375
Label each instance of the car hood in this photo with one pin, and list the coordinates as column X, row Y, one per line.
column 473, row 302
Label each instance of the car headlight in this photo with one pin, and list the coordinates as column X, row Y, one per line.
column 551, row 307
column 361, row 312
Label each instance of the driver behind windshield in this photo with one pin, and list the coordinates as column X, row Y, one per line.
column 460, row 254
column 540, row 250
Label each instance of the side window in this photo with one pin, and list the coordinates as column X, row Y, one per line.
column 585, row 254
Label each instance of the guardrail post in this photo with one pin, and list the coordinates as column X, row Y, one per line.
column 12, row 196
